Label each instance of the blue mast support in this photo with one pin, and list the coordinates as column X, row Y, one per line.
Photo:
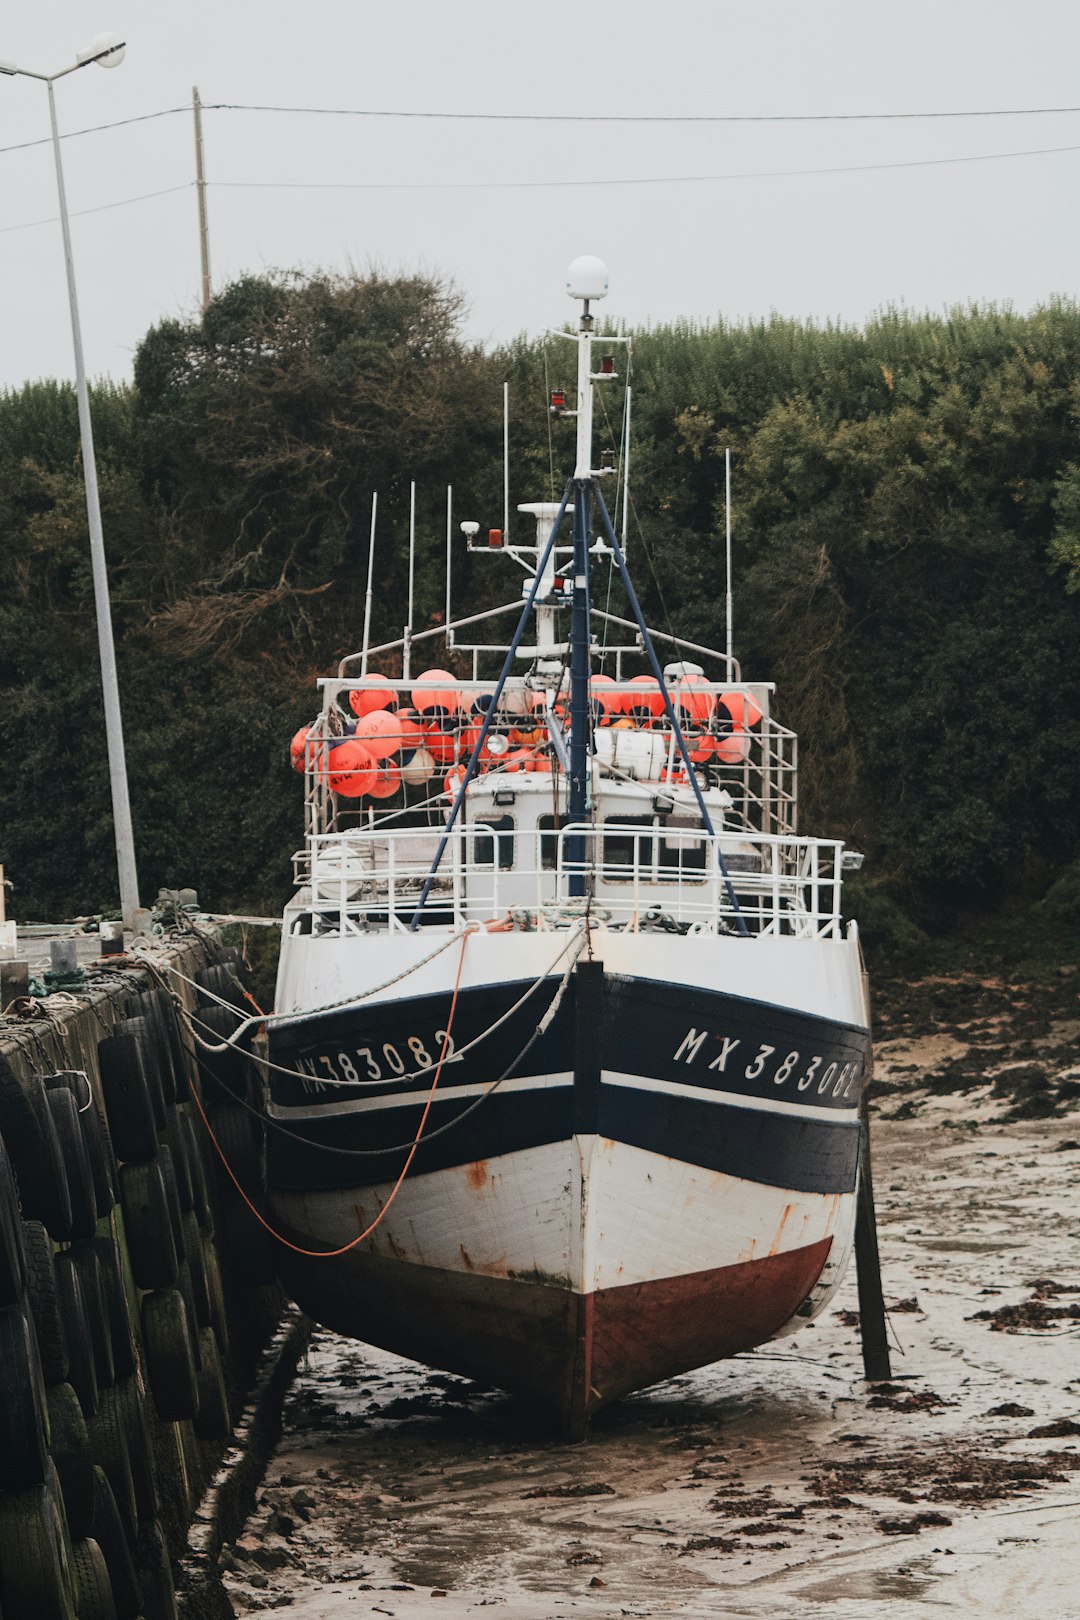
column 580, row 776
column 673, row 718
column 508, row 664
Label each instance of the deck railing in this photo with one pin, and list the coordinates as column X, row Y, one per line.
column 635, row 877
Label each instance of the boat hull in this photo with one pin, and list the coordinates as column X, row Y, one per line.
column 655, row 1185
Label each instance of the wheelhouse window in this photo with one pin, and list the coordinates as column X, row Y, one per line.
column 627, row 844
column 495, row 843
column 680, row 855
column 548, row 830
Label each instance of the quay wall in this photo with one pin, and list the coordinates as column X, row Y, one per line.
column 136, row 1289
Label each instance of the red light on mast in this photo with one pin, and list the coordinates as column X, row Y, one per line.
column 558, row 400
column 495, row 537
column 607, row 365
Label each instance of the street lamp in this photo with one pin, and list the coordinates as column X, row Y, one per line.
column 108, row 51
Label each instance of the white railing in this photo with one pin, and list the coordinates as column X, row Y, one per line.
column 634, row 877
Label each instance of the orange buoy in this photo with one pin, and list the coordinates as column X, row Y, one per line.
column 606, row 701
column 298, row 748
column 692, row 701
column 701, row 745
column 385, row 781
column 441, row 745
column 732, row 749
column 380, row 733
column 368, row 699
column 740, row 707
column 436, row 695
column 411, row 734
column 516, row 761
column 645, row 702
column 351, row 770
column 452, row 781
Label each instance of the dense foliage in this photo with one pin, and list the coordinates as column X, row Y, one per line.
column 907, row 523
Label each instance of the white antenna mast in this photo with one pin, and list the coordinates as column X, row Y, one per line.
column 727, row 519
column 406, row 655
column 449, row 537
column 626, row 467
column 370, row 575
column 506, row 463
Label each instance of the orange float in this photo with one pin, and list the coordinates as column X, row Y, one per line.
column 692, row 701
column 298, row 748
column 441, row 745
column 606, row 701
column 380, row 733
column 351, row 770
column 740, row 708
column 452, row 782
column 385, row 781
column 645, row 701
column 732, row 749
column 368, row 699
column 436, row 695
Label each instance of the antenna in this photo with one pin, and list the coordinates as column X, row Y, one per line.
column 506, row 463
column 626, row 465
column 406, row 655
column 370, row 575
column 727, row 520
column 200, row 188
column 449, row 554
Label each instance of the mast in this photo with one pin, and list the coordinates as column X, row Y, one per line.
column 587, row 280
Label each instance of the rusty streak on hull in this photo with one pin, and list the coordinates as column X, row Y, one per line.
column 567, row 1352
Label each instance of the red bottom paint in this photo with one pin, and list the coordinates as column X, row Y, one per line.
column 568, row 1353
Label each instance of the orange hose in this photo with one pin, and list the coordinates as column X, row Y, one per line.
column 328, row 1254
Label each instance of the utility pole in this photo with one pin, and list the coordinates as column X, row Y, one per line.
column 200, row 187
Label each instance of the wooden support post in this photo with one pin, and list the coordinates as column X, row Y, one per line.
column 872, row 1326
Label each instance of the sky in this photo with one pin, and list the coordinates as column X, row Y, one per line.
column 332, row 193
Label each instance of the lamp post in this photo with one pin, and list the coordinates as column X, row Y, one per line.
column 108, row 51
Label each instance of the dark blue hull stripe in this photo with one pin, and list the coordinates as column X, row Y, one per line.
column 697, row 1039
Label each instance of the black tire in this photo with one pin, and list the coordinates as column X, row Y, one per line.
column 219, row 1316
column 241, row 1137
column 12, row 1248
column 114, row 1291
column 43, row 1297
column 30, row 1136
column 195, row 1260
column 130, row 1401
column 172, row 1195
column 24, row 1412
column 108, row 1532
column 80, row 1177
column 71, row 1453
column 196, row 1168
column 99, row 1148
column 170, row 1355
column 93, row 1588
column 148, row 1224
column 132, row 1120
column 35, row 1555
column 227, row 1070
column 213, row 1421
column 222, row 981
column 82, row 1370
column 97, row 1312
column 155, row 1574
column 187, row 1293
column 145, row 1033
column 177, row 1140
column 108, row 1444
column 156, row 1007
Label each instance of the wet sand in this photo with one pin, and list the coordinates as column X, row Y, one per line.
column 777, row 1484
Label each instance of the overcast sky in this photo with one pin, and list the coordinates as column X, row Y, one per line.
column 841, row 244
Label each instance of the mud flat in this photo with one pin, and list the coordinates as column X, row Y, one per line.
column 777, row 1484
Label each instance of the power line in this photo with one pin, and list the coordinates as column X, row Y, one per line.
column 95, row 129
column 534, row 185
column 102, row 208
column 641, row 118
column 646, row 180
column 559, row 118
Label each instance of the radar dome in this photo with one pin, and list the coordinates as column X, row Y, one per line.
column 587, row 277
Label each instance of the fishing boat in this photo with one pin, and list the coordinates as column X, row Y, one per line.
column 570, row 1031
